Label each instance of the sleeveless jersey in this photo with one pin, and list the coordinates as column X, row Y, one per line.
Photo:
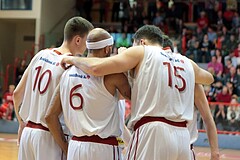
column 44, row 75
column 88, row 107
column 163, row 87
column 121, row 106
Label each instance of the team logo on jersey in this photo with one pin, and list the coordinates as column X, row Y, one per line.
column 182, row 61
column 79, row 76
column 172, row 58
column 49, row 61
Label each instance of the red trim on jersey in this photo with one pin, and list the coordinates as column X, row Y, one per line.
column 145, row 120
column 118, row 153
column 131, row 146
column 113, row 153
column 97, row 139
column 59, row 53
column 135, row 154
column 36, row 125
column 167, row 48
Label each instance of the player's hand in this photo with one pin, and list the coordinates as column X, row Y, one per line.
column 121, row 49
column 67, row 62
column 20, row 129
column 215, row 156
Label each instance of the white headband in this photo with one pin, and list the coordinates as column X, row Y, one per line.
column 100, row 44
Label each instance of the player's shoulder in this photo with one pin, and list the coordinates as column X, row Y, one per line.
column 42, row 52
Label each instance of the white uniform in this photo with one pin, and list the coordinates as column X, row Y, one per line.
column 92, row 114
column 122, row 106
column 163, row 87
column 37, row 142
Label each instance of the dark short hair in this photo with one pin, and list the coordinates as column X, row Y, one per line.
column 167, row 42
column 76, row 26
column 149, row 32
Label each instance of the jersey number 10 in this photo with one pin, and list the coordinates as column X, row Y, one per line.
column 39, row 78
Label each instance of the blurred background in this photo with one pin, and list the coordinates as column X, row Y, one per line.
column 206, row 31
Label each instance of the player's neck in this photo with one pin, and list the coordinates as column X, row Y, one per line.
column 96, row 54
column 64, row 49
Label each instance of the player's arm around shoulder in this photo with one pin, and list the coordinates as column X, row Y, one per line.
column 202, row 76
column 123, row 62
column 52, row 120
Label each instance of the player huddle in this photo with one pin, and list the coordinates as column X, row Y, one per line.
column 78, row 113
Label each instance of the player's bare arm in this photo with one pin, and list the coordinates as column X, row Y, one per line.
column 203, row 107
column 120, row 82
column 52, row 120
column 123, row 86
column 17, row 100
column 202, row 76
column 19, row 93
column 123, row 62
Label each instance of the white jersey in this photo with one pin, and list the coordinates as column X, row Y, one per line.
column 121, row 105
column 192, row 127
column 88, row 108
column 44, row 76
column 163, row 87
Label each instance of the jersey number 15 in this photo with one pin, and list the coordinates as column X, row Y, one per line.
column 176, row 69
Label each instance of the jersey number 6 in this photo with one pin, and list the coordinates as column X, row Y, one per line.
column 72, row 95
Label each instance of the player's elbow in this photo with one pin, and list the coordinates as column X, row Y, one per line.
column 16, row 95
column 48, row 118
column 51, row 117
column 95, row 70
column 210, row 79
column 206, row 79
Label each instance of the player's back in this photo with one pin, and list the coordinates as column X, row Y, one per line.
column 163, row 87
column 43, row 78
column 88, row 107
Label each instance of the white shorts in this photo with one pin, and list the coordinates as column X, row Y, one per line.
column 38, row 144
column 158, row 140
column 93, row 151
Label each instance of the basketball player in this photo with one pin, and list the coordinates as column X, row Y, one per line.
column 91, row 106
column 162, row 94
column 36, row 88
column 202, row 106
